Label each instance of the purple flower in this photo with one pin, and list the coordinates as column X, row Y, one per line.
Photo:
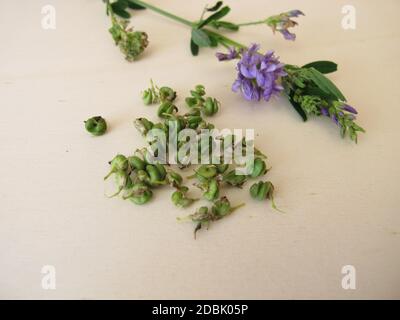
column 232, row 54
column 282, row 23
column 258, row 75
column 325, row 112
column 350, row 109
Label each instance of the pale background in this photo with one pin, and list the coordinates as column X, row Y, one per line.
column 341, row 200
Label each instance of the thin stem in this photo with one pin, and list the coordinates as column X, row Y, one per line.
column 224, row 40
column 251, row 23
column 164, row 13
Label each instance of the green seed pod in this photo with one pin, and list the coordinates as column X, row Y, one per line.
column 139, row 194
column 221, row 168
column 161, row 170
column 143, row 125
column 233, row 179
column 119, row 163
column 212, row 191
column 193, row 102
column 199, row 89
column 222, row 208
column 167, row 94
column 123, row 181
column 207, row 171
column 180, row 200
column 174, row 179
column 262, row 191
column 259, row 168
column 148, row 97
column 97, row 126
column 156, row 174
column 194, row 121
column 166, row 108
column 143, row 176
column 211, row 107
column 136, row 163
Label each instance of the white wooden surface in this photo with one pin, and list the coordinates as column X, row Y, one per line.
column 341, row 200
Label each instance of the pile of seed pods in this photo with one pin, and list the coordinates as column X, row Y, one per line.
column 136, row 178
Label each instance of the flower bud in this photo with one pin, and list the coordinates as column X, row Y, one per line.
column 212, row 191
column 136, row 163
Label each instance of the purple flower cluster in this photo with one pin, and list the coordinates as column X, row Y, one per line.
column 258, row 75
column 282, row 23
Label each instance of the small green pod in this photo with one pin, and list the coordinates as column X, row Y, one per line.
column 221, row 168
column 212, row 191
column 233, row 179
column 167, row 94
column 118, row 163
column 207, row 171
column 143, row 125
column 97, row 126
column 259, row 168
column 211, row 106
column 139, row 194
column 136, row 163
column 148, row 97
column 174, row 179
column 180, row 200
column 166, row 108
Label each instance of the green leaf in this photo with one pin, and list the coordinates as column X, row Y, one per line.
column 216, row 16
column 119, row 9
column 322, row 66
column 194, row 48
column 315, row 91
column 135, row 6
column 216, row 6
column 298, row 108
column 214, row 39
column 200, row 38
column 325, row 84
column 224, row 25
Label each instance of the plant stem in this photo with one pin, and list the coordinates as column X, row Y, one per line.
column 164, row 13
column 223, row 39
column 251, row 23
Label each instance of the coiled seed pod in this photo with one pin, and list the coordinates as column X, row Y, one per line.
column 119, row 163
column 233, row 179
column 206, row 171
column 211, row 106
column 149, row 97
column 166, row 108
column 97, row 126
column 262, row 191
column 143, row 125
column 136, row 163
column 212, row 191
column 180, row 199
column 259, row 168
column 139, row 194
column 167, row 94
